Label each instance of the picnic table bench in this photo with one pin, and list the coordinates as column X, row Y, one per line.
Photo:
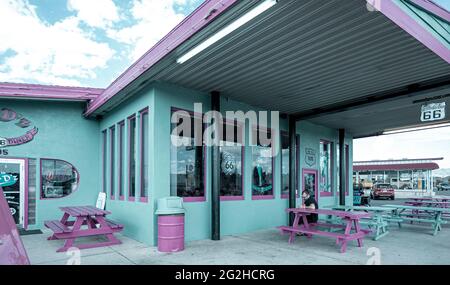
column 431, row 215
column 88, row 221
column 352, row 229
column 379, row 220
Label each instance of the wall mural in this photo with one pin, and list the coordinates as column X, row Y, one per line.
column 10, row 116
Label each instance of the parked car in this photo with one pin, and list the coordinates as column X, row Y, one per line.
column 444, row 187
column 383, row 190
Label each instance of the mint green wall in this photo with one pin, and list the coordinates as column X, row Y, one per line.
column 63, row 134
column 136, row 216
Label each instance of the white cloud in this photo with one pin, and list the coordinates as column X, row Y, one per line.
column 154, row 19
column 61, row 53
column 95, row 13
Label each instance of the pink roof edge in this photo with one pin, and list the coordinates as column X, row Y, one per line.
column 52, row 92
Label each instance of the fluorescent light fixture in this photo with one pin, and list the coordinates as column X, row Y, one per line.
column 399, row 131
column 261, row 8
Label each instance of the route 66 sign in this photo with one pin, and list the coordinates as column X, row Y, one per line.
column 433, row 112
column 228, row 163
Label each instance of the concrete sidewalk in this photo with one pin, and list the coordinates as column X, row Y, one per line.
column 413, row 244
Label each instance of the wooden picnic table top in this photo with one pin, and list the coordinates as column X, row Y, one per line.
column 342, row 214
column 84, row 211
column 406, row 207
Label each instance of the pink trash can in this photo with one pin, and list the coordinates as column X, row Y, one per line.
column 171, row 233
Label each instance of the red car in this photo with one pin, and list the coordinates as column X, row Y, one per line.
column 383, row 190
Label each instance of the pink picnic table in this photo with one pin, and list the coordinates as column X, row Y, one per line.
column 87, row 221
column 439, row 203
column 351, row 226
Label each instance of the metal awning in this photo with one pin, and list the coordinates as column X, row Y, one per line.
column 313, row 59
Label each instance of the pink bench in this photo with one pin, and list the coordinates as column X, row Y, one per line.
column 351, row 227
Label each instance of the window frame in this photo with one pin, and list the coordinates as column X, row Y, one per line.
column 205, row 157
column 332, row 164
column 120, row 169
column 145, row 111
column 104, row 160
column 129, row 119
column 112, row 161
column 272, row 147
column 240, row 128
column 41, row 180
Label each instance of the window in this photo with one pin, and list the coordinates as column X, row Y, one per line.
column 187, row 161
column 310, row 182
column 326, row 169
column 58, row 178
column 121, row 160
column 347, row 169
column 285, row 152
column 262, row 166
column 144, row 155
column 405, row 181
column 104, row 154
column 131, row 158
column 112, row 161
column 231, row 163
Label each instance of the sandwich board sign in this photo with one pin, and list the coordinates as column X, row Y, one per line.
column 101, row 201
column 433, row 112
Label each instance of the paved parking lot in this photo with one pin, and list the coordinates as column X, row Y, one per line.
column 413, row 244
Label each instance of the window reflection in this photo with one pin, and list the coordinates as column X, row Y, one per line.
column 58, row 178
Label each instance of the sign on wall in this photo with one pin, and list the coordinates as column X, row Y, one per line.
column 9, row 116
column 433, row 112
column 310, row 157
column 7, row 179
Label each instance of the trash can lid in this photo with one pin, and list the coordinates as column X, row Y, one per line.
column 170, row 206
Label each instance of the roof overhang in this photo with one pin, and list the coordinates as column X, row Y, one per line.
column 310, row 59
column 45, row 92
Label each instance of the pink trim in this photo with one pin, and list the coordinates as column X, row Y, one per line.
column 316, row 185
column 407, row 23
column 434, row 8
column 121, row 198
column 194, row 199
column 143, row 199
column 120, row 188
column 36, row 91
column 322, row 193
column 143, row 112
column 195, row 22
column 263, row 197
column 40, row 178
column 112, row 147
column 232, row 198
column 129, row 119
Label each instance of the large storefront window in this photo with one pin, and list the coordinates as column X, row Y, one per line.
column 262, row 167
column 347, row 168
column 112, row 161
column 310, row 182
column 121, row 167
column 144, row 155
column 187, row 161
column 326, row 168
column 58, row 178
column 420, row 180
column 392, row 178
column 132, row 158
column 104, row 155
column 231, row 163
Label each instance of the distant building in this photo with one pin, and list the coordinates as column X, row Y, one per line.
column 410, row 177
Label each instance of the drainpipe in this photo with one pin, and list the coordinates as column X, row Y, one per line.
column 215, row 177
column 292, row 166
column 342, row 176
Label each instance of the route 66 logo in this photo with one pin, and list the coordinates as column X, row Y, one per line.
column 228, row 163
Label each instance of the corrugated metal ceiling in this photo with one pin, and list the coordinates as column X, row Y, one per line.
column 309, row 54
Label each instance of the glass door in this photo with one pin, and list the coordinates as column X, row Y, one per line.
column 12, row 181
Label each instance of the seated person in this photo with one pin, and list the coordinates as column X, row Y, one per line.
column 309, row 203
